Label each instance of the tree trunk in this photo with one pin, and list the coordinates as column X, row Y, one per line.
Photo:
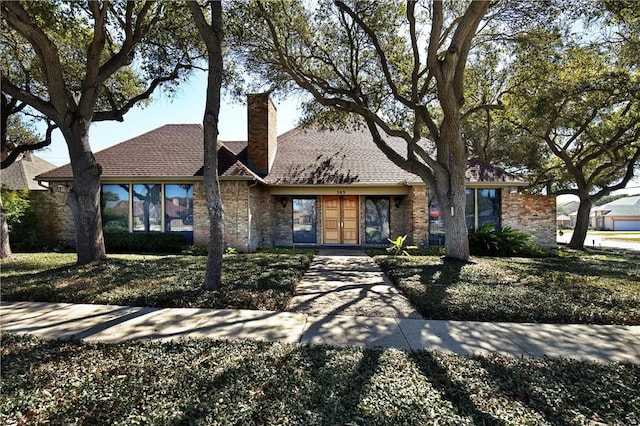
column 5, row 247
column 213, row 275
column 582, row 223
column 84, row 196
column 450, row 187
column 212, row 36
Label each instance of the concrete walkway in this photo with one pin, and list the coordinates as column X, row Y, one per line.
column 348, row 282
column 113, row 324
column 317, row 317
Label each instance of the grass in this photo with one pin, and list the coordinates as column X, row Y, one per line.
column 263, row 281
column 256, row 383
column 597, row 288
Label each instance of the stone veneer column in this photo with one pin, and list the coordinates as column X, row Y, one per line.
column 419, row 215
column 200, row 216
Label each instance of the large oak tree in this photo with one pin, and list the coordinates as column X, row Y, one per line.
column 398, row 67
column 93, row 61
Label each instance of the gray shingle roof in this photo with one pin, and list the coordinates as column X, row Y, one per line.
column 21, row 174
column 627, row 206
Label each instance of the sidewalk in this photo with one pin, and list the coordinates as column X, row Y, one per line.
column 112, row 324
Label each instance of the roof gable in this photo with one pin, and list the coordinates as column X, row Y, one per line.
column 20, row 175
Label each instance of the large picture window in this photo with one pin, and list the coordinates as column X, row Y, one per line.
column 144, row 207
column 115, row 208
column 376, row 220
column 147, row 209
column 304, row 220
column 488, row 207
column 482, row 207
column 178, row 207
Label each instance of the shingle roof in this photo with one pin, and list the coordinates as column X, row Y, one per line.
column 173, row 150
column 313, row 156
column 627, row 206
column 303, row 156
column 21, row 174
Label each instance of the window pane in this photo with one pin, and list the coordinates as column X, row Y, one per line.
column 489, row 207
column 178, row 205
column 115, row 208
column 377, row 220
column 304, row 220
column 470, row 209
column 436, row 222
column 147, row 214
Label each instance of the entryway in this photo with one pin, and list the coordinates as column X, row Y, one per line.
column 340, row 219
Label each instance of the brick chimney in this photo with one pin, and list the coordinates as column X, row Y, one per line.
column 262, row 134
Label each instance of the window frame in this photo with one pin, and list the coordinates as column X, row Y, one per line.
column 384, row 240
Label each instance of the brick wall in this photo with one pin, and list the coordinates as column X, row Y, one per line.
column 418, row 215
column 261, row 132
column 200, row 216
column 60, row 222
column 400, row 217
column 263, row 207
column 44, row 206
column 532, row 214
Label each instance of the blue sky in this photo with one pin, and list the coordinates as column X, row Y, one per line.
column 186, row 107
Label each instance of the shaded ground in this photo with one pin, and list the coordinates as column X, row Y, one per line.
column 348, row 283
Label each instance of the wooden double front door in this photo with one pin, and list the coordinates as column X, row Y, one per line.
column 340, row 219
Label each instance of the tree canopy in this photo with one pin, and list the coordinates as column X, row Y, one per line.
column 80, row 62
column 396, row 68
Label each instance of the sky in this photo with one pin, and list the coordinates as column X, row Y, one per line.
column 187, row 106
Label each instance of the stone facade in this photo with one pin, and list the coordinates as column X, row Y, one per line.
column 253, row 217
column 60, row 221
column 532, row 214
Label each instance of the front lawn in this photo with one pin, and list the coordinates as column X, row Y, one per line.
column 255, row 383
column 263, row 281
column 592, row 288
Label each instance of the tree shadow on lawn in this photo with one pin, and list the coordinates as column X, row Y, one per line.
column 452, row 388
column 565, row 391
column 76, row 283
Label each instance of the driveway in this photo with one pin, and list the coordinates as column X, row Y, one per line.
column 596, row 239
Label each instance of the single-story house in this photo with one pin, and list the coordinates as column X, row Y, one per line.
column 622, row 214
column 20, row 176
column 306, row 187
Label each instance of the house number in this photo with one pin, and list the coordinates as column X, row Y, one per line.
column 341, row 192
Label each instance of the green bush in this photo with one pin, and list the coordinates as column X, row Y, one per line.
column 153, row 242
column 26, row 229
column 488, row 241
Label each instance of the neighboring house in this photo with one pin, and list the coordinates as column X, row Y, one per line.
column 20, row 176
column 622, row 214
column 563, row 221
column 305, row 187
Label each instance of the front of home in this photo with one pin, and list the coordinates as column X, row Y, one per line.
column 306, row 187
column 622, row 214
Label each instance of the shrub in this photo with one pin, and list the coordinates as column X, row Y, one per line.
column 26, row 229
column 488, row 241
column 398, row 246
column 153, row 242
